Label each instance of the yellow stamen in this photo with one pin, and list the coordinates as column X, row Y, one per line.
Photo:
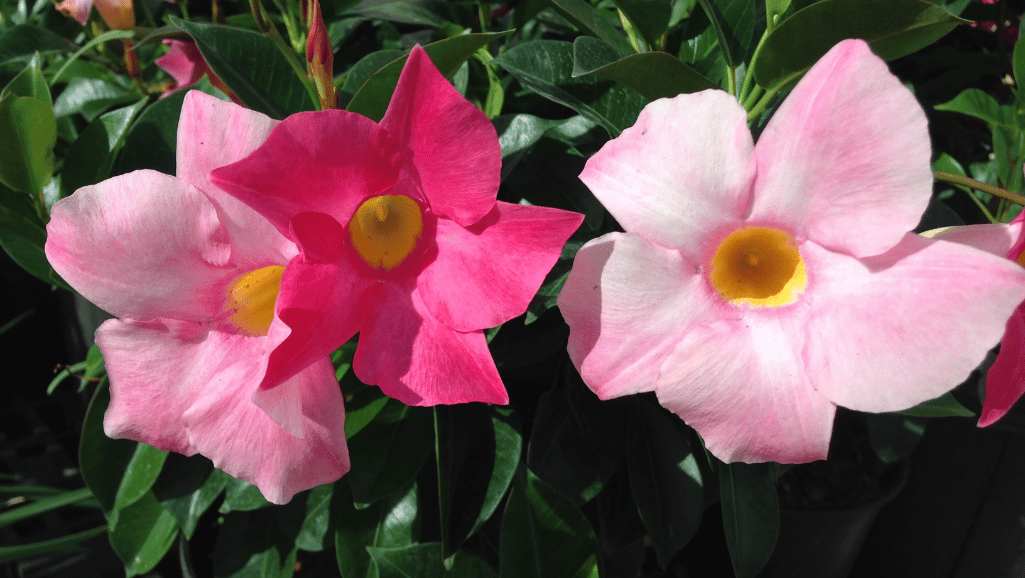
column 385, row 230
column 251, row 299
column 758, row 266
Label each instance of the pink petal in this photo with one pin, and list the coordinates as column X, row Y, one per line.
column 628, row 302
column 242, row 440
column 1005, row 381
column 845, row 159
column 889, row 332
column 487, row 273
column 77, row 9
column 416, row 359
column 741, row 384
column 329, row 161
column 142, row 245
column 452, row 143
column 183, row 62
column 997, row 239
column 683, row 170
column 322, row 305
column 213, row 133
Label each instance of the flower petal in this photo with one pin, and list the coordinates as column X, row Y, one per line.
column 226, row 426
column 77, row 9
column 742, row 386
column 213, row 133
column 997, row 239
column 628, row 302
column 487, row 273
column 142, row 245
column 683, row 170
column 329, row 161
column 845, row 159
column 1005, row 382
column 453, row 144
column 183, row 62
column 889, row 332
column 416, row 359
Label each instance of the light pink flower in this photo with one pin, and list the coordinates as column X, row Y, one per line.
column 401, row 239
column 186, row 66
column 758, row 287
column 1005, row 381
column 192, row 275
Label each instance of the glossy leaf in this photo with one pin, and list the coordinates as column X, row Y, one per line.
column 547, row 295
column 91, row 156
column 140, row 474
column 388, row 453
column 389, row 523
column 259, row 543
column 318, row 517
column 28, row 133
column 750, row 514
column 893, row 28
column 371, row 100
column 144, row 534
column 30, row 82
column 251, row 66
column 20, row 42
column 667, row 484
column 650, row 17
column 187, row 487
column 402, row 12
column 360, row 72
column 361, row 407
column 102, row 460
column 478, row 450
column 546, row 67
column 22, row 235
column 91, row 97
column 653, row 74
column 11, row 553
column 976, row 103
column 589, row 19
column 543, row 534
column 894, row 436
column 428, row 561
column 241, row 496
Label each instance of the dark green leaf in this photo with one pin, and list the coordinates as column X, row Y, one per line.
column 259, row 543
column 586, row 17
column 388, row 453
column 241, row 496
column 403, row 12
column 667, row 484
column 140, row 474
column 318, row 517
column 10, row 553
column 894, row 436
column 102, row 460
column 975, row 102
column 22, row 41
column 186, row 488
column 30, row 83
column 1009, row 152
column 143, row 535
column 546, row 67
column 361, row 407
column 750, row 514
column 371, row 100
column 547, row 295
column 91, row 97
column 653, row 74
column 478, row 450
column 252, row 67
column 943, row 406
column 42, row 505
column 360, row 72
column 91, row 156
column 893, row 28
column 22, row 235
column 543, row 534
column 427, row 561
column 28, row 133
column 392, row 522
column 650, row 17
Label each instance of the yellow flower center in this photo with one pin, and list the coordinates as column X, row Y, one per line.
column 251, row 299
column 385, row 230
column 758, row 266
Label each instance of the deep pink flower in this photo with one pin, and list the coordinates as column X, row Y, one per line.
column 758, row 287
column 401, row 239
column 192, row 275
column 186, row 66
column 1005, row 381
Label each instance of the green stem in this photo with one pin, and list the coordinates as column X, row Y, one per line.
column 761, row 105
column 44, row 505
column 979, row 186
column 268, row 29
column 731, row 80
column 752, row 97
column 749, row 77
column 109, row 35
column 8, row 553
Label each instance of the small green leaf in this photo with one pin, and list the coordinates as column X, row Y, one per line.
column 975, row 102
column 102, row 460
column 259, row 543
column 943, row 406
column 141, row 472
column 586, row 17
column 30, row 83
column 23, row 235
column 28, row 133
column 144, row 534
column 391, row 523
column 187, row 487
column 91, row 156
column 91, row 97
column 318, row 516
column 653, row 74
column 650, row 17
column 361, row 407
column 750, row 514
column 241, row 496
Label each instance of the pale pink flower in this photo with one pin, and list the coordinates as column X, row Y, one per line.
column 192, row 276
column 758, row 287
column 401, row 239
column 186, row 66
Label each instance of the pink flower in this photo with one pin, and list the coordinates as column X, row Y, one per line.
column 758, row 287
column 401, row 239
column 1005, row 381
column 192, row 275
column 186, row 66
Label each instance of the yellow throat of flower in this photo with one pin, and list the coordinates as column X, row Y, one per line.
column 385, row 230
column 758, row 266
column 251, row 297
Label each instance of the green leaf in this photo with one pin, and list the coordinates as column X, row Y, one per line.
column 259, row 543
column 546, row 67
column 318, row 517
column 478, row 450
column 975, row 102
column 102, row 460
column 389, row 452
column 653, row 74
column 187, row 487
column 750, row 514
column 91, row 97
column 716, row 18
column 547, row 295
column 91, row 156
column 251, row 66
column 30, row 83
column 543, row 534
column 360, row 409
column 241, row 496
column 586, row 17
column 23, row 235
column 894, row 436
column 427, row 561
column 361, row 72
column 943, row 406
column 390, row 523
column 22, row 41
column 43, row 505
column 144, row 534
column 371, row 100
column 28, row 133
column 141, row 472
column 10, row 553
column 775, row 8
column 893, row 28
column 402, row 12
column 650, row 17
column 667, row 484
